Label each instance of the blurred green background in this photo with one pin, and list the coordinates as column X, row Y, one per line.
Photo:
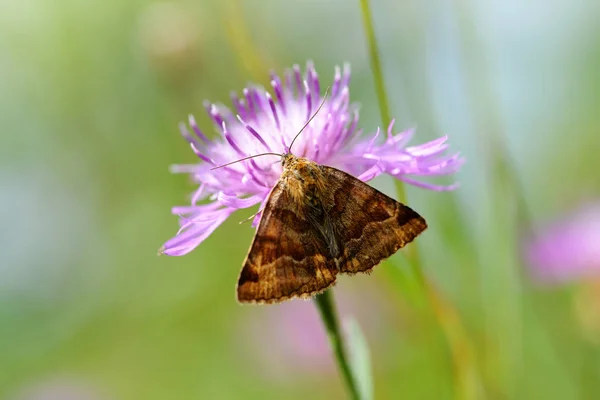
column 91, row 95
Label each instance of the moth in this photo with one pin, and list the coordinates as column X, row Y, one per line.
column 319, row 222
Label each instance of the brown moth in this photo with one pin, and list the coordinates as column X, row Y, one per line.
column 319, row 221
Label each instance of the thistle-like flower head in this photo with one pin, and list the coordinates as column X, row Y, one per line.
column 262, row 122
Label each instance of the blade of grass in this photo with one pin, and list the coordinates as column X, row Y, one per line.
column 360, row 358
column 446, row 315
column 241, row 41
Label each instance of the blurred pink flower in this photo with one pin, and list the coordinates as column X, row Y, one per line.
column 289, row 341
column 568, row 248
column 294, row 340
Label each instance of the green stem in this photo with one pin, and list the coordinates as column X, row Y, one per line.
column 325, row 304
column 384, row 107
column 382, row 98
column 375, row 61
column 447, row 317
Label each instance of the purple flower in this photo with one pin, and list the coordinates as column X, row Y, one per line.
column 567, row 249
column 262, row 123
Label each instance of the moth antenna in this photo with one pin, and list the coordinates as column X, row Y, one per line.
column 247, row 158
column 310, row 119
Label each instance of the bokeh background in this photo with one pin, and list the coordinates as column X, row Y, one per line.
column 91, row 95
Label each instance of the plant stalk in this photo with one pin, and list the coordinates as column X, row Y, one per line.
column 325, row 305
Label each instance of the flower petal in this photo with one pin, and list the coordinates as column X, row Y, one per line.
column 392, row 158
column 430, row 186
column 236, row 202
column 371, row 173
column 195, row 233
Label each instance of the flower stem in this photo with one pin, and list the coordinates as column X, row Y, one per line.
column 375, row 61
column 382, row 98
column 325, row 304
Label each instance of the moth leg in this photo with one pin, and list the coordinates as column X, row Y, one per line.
column 251, row 217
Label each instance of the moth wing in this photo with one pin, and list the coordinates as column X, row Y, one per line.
column 368, row 225
column 288, row 257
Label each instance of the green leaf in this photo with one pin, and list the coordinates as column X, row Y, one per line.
column 360, row 358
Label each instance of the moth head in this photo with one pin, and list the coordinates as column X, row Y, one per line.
column 287, row 160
